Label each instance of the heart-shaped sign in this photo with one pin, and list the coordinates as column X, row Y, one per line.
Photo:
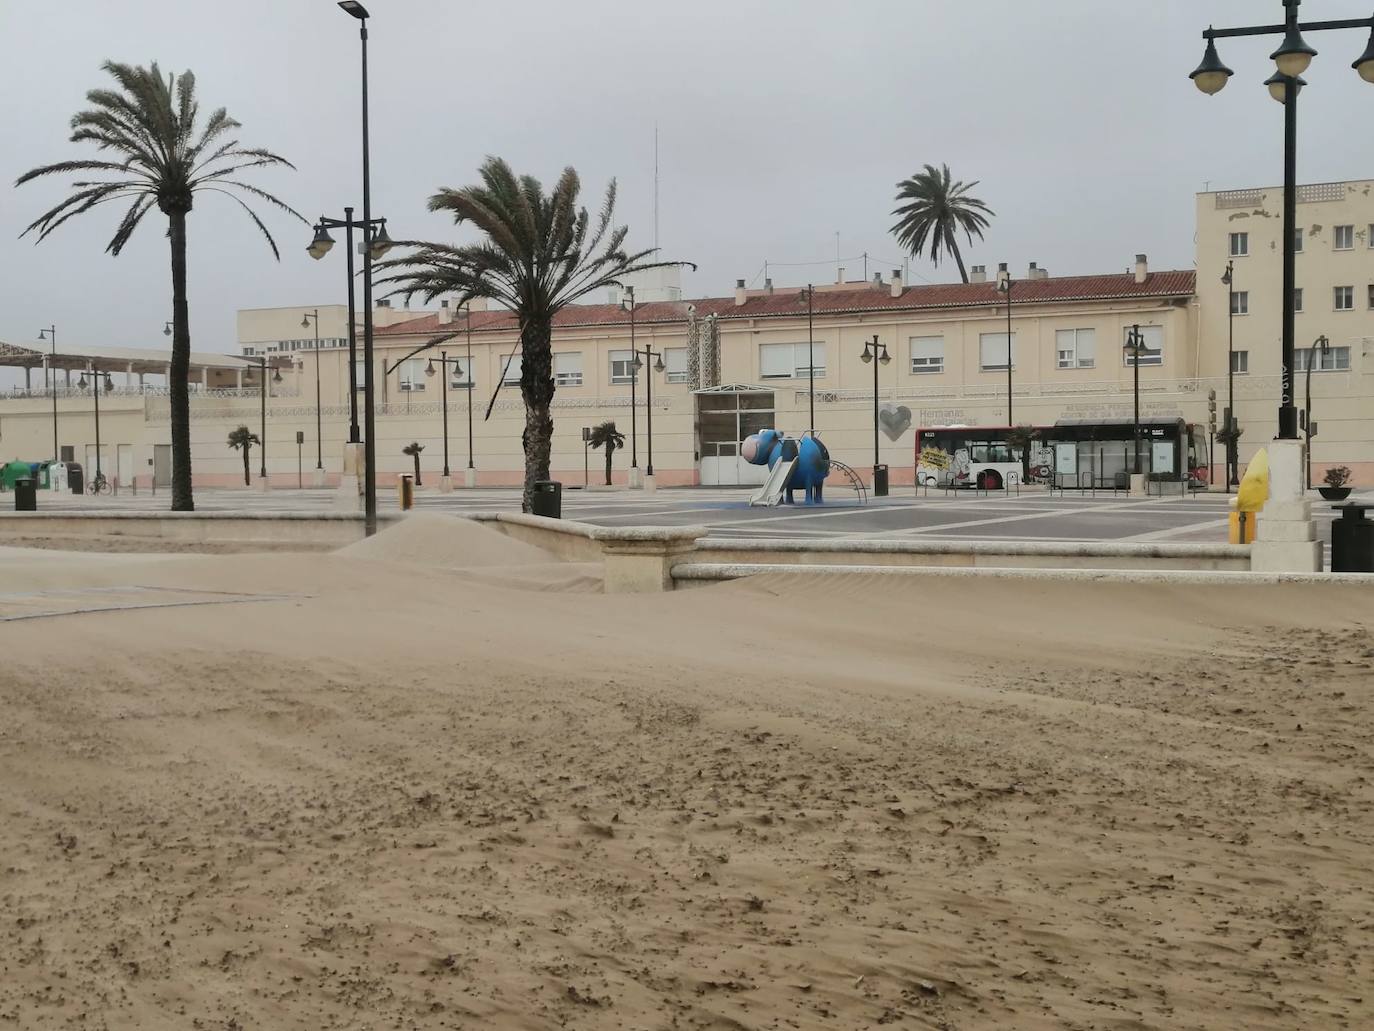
column 895, row 420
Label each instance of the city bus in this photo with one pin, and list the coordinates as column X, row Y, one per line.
column 1071, row 453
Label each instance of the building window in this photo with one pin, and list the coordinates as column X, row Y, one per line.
column 1240, row 362
column 675, row 360
column 927, row 355
column 1240, row 245
column 413, row 374
column 567, row 369
column 1152, row 337
column 791, row 361
column 1343, row 238
column 993, row 352
column 511, row 366
column 1371, row 295
column 1240, row 302
column 1333, row 359
column 1297, row 298
column 1344, row 297
column 1297, row 241
column 1075, row 348
column 622, row 367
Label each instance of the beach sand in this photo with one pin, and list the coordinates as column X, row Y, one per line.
column 394, row 795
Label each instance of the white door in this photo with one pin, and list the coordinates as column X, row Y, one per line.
column 725, row 468
column 126, row 464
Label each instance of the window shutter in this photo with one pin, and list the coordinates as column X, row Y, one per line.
column 775, row 361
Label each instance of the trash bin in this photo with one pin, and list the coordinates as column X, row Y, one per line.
column 880, row 481
column 76, row 481
column 25, row 495
column 1352, row 540
column 548, row 499
column 405, row 490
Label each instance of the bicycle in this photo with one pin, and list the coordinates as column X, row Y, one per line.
column 98, row 484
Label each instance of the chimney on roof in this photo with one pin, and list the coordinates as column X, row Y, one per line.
column 877, row 279
column 897, row 284
column 768, row 287
column 740, row 295
column 1002, row 274
column 979, row 274
column 445, row 313
column 1142, row 268
column 1036, row 272
column 839, row 276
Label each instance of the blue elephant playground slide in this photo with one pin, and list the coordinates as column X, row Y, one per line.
column 794, row 464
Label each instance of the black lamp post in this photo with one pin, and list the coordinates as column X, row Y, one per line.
column 629, row 305
column 810, row 294
column 1323, row 344
column 648, row 399
column 1134, row 348
column 306, row 320
column 467, row 309
column 871, row 351
column 1292, row 58
column 1229, row 278
column 50, row 334
column 97, row 384
column 444, row 364
column 1004, row 285
column 262, row 365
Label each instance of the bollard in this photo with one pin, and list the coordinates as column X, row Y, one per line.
column 405, row 490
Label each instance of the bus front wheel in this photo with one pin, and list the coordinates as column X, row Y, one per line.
column 989, row 480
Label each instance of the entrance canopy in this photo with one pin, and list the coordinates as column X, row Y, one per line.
column 145, row 360
column 734, row 388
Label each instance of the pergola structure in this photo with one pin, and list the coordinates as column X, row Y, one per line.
column 207, row 371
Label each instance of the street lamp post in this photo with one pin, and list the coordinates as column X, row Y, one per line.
column 1004, row 285
column 871, row 351
column 97, row 384
column 262, row 365
column 810, row 293
column 1324, row 344
column 629, row 305
column 1135, row 347
column 471, row 480
column 1291, row 59
column 1229, row 278
column 306, row 320
column 658, row 366
column 445, row 363
column 50, row 334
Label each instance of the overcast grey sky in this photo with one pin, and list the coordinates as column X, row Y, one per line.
column 781, row 124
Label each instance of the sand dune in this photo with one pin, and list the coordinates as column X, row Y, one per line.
column 436, row 799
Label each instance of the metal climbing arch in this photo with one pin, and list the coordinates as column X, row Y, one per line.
column 854, row 480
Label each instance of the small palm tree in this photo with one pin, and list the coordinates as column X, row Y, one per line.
column 540, row 253
column 158, row 158
column 607, row 436
column 932, row 211
column 413, row 449
column 1020, row 438
column 243, row 439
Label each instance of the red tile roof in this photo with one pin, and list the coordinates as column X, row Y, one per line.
column 788, row 303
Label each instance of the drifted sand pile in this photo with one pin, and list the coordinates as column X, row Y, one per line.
column 411, row 798
column 449, row 542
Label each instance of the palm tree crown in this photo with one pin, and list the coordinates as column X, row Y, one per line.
column 241, row 437
column 932, row 210
column 606, row 435
column 157, row 156
column 540, row 252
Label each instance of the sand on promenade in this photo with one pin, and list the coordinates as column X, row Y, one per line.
column 402, row 797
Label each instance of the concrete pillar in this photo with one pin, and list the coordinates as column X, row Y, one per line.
column 204, row 379
column 640, row 561
column 238, row 380
column 470, row 478
column 1286, row 538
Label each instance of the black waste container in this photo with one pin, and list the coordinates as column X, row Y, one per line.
column 880, row 481
column 75, row 480
column 26, row 495
column 1352, row 540
column 548, row 499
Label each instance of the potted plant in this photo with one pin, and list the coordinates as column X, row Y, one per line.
column 1336, row 479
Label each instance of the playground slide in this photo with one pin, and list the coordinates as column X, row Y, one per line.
column 770, row 493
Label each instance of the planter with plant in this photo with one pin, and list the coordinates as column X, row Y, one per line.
column 1337, row 477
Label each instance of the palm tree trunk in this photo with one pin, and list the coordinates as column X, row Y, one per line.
column 417, row 465
column 180, row 371
column 610, row 452
column 536, row 387
column 959, row 258
column 247, row 481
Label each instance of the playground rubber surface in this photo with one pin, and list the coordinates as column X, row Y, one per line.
column 440, row 782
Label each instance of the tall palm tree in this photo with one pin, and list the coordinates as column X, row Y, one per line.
column 413, row 449
column 607, row 436
column 540, row 252
column 932, row 211
column 157, row 157
column 243, row 439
